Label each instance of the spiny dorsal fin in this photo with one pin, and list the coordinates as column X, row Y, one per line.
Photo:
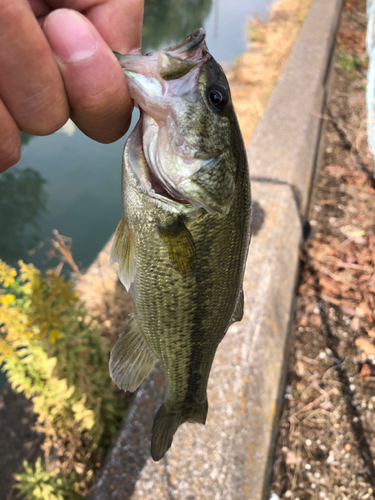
column 238, row 313
column 131, row 358
column 180, row 246
column 123, row 252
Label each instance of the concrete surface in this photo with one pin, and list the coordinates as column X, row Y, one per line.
column 230, row 458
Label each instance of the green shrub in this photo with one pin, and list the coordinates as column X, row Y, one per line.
column 349, row 62
column 54, row 354
column 45, row 485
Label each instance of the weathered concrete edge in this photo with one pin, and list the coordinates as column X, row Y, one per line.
column 311, row 154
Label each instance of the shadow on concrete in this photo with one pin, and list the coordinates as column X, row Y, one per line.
column 259, row 216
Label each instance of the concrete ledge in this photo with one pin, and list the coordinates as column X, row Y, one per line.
column 230, row 457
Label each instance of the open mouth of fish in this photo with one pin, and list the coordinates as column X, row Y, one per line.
column 155, row 183
column 156, row 189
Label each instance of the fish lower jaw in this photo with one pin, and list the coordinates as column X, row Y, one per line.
column 158, row 191
column 184, row 204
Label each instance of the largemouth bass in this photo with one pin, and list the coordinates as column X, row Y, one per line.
column 182, row 241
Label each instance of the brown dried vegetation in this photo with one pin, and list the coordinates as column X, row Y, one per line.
column 255, row 73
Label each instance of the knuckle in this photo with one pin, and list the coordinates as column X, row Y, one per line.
column 46, row 113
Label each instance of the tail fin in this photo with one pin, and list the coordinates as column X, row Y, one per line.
column 166, row 423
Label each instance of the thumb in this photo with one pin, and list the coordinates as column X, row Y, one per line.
column 94, row 81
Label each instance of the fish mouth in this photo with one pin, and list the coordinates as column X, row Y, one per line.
column 168, row 64
column 161, row 84
column 166, row 192
column 191, row 42
column 175, row 170
column 157, row 190
column 146, row 178
column 155, row 186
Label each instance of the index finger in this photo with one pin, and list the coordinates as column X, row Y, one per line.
column 31, row 86
column 119, row 22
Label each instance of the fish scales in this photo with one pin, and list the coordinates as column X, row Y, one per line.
column 181, row 251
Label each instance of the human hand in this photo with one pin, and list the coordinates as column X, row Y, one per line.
column 57, row 63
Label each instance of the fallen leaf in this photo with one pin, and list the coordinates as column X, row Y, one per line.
column 361, row 241
column 365, row 371
column 354, row 325
column 363, row 310
column 352, row 231
column 290, row 458
column 315, row 320
column 349, row 311
column 366, row 346
column 300, row 369
column 329, row 286
column 304, row 321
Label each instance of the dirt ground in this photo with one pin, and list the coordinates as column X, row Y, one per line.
column 18, row 440
column 326, row 445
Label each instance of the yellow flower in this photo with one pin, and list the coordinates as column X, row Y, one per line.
column 55, row 334
column 7, row 274
column 27, row 274
column 6, row 299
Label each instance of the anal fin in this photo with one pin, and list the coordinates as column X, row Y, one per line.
column 131, row 358
column 123, row 252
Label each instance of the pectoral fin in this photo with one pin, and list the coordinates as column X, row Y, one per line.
column 180, row 246
column 123, row 252
column 131, row 358
column 238, row 313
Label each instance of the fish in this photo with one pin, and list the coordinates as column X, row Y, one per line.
column 182, row 241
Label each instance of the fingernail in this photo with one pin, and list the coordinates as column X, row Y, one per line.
column 69, row 35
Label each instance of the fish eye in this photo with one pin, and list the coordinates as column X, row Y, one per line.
column 217, row 96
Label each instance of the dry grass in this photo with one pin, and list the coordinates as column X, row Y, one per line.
column 105, row 297
column 255, row 73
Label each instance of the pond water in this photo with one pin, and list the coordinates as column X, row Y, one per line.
column 68, row 182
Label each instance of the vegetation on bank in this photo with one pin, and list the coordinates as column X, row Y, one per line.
column 55, row 355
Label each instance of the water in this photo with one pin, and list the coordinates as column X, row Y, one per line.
column 70, row 183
